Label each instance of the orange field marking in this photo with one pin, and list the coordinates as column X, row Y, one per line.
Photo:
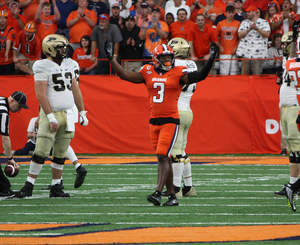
column 194, row 159
column 167, row 235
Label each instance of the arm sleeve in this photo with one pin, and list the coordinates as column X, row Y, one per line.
column 198, row 76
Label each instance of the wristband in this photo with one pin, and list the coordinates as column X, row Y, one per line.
column 115, row 55
column 11, row 158
column 83, row 15
column 195, row 4
column 51, row 117
column 17, row 17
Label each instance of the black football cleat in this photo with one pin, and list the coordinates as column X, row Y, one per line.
column 56, row 191
column 26, row 191
column 81, row 173
column 8, row 193
column 154, row 198
column 172, row 201
column 48, row 187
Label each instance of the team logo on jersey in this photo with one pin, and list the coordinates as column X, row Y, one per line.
column 149, row 72
column 294, row 65
column 158, row 79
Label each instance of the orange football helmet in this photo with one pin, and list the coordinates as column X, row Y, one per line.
column 30, row 27
column 162, row 50
column 3, row 13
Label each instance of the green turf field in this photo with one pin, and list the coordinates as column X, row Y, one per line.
column 113, row 197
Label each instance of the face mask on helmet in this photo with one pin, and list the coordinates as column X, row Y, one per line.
column 163, row 57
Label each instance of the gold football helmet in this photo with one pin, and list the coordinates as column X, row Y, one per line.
column 180, row 46
column 52, row 42
column 286, row 41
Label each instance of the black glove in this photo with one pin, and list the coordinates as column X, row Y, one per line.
column 295, row 30
column 108, row 48
column 213, row 50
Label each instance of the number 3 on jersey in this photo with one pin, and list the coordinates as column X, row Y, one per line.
column 159, row 98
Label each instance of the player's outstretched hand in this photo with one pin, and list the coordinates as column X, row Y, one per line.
column 83, row 119
column 295, row 28
column 108, row 48
column 213, row 50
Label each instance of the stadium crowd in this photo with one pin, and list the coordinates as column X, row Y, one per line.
column 244, row 30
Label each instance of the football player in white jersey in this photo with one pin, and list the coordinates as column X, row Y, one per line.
column 181, row 164
column 81, row 171
column 57, row 90
column 289, row 101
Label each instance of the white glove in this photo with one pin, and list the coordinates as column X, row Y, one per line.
column 83, row 119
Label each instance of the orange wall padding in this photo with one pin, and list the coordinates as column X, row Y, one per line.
column 232, row 114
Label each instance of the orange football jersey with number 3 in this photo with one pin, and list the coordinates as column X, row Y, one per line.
column 163, row 90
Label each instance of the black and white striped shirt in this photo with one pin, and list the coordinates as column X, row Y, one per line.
column 4, row 116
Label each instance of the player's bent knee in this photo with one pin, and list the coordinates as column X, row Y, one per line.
column 38, row 159
column 35, row 168
column 294, row 157
column 57, row 166
column 57, row 160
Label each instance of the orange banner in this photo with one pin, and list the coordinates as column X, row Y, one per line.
column 233, row 114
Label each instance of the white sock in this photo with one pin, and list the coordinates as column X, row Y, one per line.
column 55, row 181
column 71, row 154
column 77, row 165
column 30, row 180
column 187, row 174
column 177, row 173
column 293, row 180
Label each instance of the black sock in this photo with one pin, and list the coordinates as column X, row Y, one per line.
column 171, row 196
column 296, row 185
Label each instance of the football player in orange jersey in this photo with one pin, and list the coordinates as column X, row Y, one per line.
column 164, row 83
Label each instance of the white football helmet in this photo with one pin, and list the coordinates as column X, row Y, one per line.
column 50, row 44
column 180, row 46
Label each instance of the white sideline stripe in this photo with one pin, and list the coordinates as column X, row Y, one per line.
column 142, row 205
column 159, row 214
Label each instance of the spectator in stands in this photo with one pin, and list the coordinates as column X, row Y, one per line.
column 180, row 28
column 46, row 23
column 7, row 37
column 131, row 45
column 238, row 5
column 227, row 32
column 271, row 11
column 29, row 46
column 137, row 5
column 254, row 33
column 275, row 51
column 65, row 7
column 223, row 16
column 99, row 7
column 143, row 15
column 154, row 32
column 29, row 8
column 210, row 12
column 125, row 5
column 169, row 19
column 83, row 55
column 172, row 6
column 262, row 4
column 282, row 22
column 115, row 17
column 204, row 34
column 195, row 5
column 296, row 6
column 81, row 22
column 5, row 5
column 105, row 31
column 15, row 19
column 221, row 4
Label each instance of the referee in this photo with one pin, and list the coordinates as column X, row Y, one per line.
column 13, row 103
